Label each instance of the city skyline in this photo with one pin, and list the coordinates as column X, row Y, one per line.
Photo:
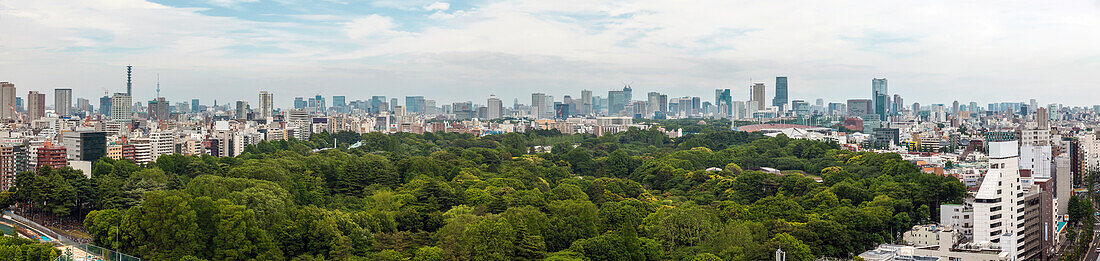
column 231, row 50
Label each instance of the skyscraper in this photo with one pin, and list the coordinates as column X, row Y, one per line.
column 105, row 105
column 723, row 99
column 122, row 107
column 538, row 105
column 194, row 105
column 653, row 103
column 758, row 95
column 339, row 101
column 36, row 105
column 880, row 97
column 780, row 92
column 63, row 101
column 414, row 104
column 242, row 110
column 586, row 102
column 267, row 104
column 494, row 107
column 616, row 102
column 7, row 100
column 158, row 109
column 300, row 103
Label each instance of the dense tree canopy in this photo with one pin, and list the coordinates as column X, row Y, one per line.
column 636, row 195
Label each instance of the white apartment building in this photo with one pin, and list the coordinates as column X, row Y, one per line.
column 995, row 204
column 1038, row 159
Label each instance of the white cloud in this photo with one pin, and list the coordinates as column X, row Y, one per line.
column 367, row 26
column 230, row 3
column 441, row 6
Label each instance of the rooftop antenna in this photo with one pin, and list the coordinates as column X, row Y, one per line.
column 129, row 80
column 158, row 85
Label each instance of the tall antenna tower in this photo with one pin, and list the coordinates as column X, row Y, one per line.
column 158, row 85
column 129, row 81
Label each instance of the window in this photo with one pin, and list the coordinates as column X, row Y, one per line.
column 995, row 217
column 993, row 209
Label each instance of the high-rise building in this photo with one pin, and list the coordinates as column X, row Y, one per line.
column 653, row 103
column 899, row 104
column 859, row 107
column 393, row 104
column 494, row 107
column 36, row 105
column 723, row 99
column 83, row 105
column 880, row 97
column 194, row 105
column 85, row 145
column 242, row 110
column 538, row 106
column 955, row 108
column 339, row 101
column 63, row 102
column 105, row 105
column 122, row 107
column 1042, row 118
column 267, row 104
column 758, row 94
column 158, row 109
column 780, row 92
column 414, row 104
column 299, row 103
column 586, row 102
column 376, row 104
column 7, row 100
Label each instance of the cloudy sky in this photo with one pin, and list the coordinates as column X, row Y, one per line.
column 931, row 51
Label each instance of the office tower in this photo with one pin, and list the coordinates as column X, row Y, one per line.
column 430, row 108
column 880, row 97
column 800, row 107
column 85, row 145
column 974, row 107
column 105, row 105
column 376, row 104
column 916, row 109
column 7, row 98
column 158, row 109
column 780, row 92
column 414, row 104
column 299, row 103
column 63, row 101
column 586, row 102
column 122, row 107
column 653, row 103
column 837, row 108
column 723, row 99
column 899, row 104
column 82, row 105
column 1033, row 105
column 267, row 104
column 616, row 102
column 494, row 107
column 696, row 105
column 955, row 108
column 393, row 103
column 1042, row 118
column 758, row 95
column 538, row 105
column 242, row 110
column 36, row 105
column 19, row 104
column 859, row 107
column 339, row 101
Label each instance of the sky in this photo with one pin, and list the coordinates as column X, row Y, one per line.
column 930, row 51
